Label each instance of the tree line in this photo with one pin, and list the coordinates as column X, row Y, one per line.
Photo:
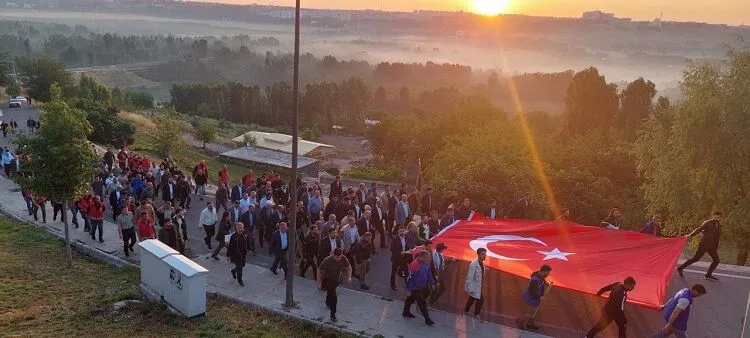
column 610, row 148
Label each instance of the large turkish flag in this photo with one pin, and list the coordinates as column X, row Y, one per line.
column 583, row 258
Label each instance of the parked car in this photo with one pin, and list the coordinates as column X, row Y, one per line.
column 14, row 103
column 21, row 99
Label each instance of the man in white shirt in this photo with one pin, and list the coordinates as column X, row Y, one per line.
column 350, row 239
column 245, row 203
column 208, row 221
column 492, row 211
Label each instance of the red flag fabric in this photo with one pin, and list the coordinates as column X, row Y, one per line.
column 583, row 258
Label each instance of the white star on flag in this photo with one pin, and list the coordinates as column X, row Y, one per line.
column 555, row 254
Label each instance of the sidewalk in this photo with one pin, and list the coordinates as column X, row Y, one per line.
column 359, row 313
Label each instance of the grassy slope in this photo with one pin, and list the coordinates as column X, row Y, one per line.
column 40, row 297
column 118, row 78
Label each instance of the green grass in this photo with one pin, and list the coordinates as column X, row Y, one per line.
column 727, row 252
column 40, row 297
column 187, row 157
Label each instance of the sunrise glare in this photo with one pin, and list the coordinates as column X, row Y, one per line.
column 490, row 7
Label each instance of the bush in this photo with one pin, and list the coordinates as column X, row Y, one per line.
column 139, row 100
column 373, row 173
column 110, row 129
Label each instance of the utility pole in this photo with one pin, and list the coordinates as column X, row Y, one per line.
column 292, row 211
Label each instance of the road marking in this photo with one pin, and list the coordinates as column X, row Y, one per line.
column 747, row 320
column 719, row 274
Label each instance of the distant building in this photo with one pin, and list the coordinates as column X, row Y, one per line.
column 283, row 143
column 273, row 160
column 11, row 4
column 598, row 16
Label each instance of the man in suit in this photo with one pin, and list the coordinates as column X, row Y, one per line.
column 358, row 207
column 238, row 191
column 168, row 191
column 248, row 218
column 281, row 195
column 328, row 243
column 330, row 208
column 278, row 247
column 364, row 223
column 343, row 208
column 362, row 192
column 399, row 249
column 235, row 212
column 426, row 205
column 336, row 188
column 404, row 213
column 492, row 211
column 447, row 219
column 378, row 219
column 114, row 201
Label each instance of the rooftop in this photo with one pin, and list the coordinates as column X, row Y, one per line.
column 281, row 142
column 267, row 156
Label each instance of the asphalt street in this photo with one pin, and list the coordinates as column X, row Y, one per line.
column 563, row 314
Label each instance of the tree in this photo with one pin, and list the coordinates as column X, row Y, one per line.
column 493, row 84
column 207, row 133
column 168, row 137
column 354, row 98
column 5, row 67
column 378, row 99
column 694, row 155
column 590, row 102
column 13, row 89
column 63, row 135
column 636, row 101
column 39, row 75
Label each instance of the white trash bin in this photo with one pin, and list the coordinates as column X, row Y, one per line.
column 185, row 285
column 153, row 266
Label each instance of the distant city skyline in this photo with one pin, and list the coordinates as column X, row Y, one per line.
column 733, row 12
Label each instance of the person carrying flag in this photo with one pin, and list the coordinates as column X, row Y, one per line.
column 614, row 309
column 677, row 311
column 533, row 297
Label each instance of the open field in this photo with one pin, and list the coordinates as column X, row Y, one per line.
column 118, row 78
column 40, row 297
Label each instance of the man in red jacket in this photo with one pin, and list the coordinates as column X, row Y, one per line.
column 96, row 217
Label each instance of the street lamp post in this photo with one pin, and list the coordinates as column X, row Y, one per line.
column 292, row 212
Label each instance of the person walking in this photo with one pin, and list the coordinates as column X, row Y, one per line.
column 438, row 263
column 677, row 311
column 40, row 202
column 533, row 297
column 96, row 217
column 711, row 230
column 237, row 251
column 399, row 249
column 614, row 309
column 168, row 235
column 208, row 221
column 310, row 245
column 278, row 247
column 145, row 225
column 225, row 226
column 126, row 227
column 473, row 283
column 332, row 270
column 419, row 283
column 363, row 251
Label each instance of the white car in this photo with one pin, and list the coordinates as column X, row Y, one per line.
column 14, row 103
column 21, row 99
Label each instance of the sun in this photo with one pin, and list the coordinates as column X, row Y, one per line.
column 490, row 7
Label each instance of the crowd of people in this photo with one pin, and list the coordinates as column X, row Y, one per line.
column 337, row 235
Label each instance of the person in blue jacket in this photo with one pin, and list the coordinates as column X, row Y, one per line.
column 419, row 283
column 533, row 297
column 677, row 311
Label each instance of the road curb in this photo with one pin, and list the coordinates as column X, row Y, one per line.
column 284, row 313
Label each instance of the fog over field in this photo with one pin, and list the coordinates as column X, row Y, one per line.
column 621, row 53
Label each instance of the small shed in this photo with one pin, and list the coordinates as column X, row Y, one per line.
column 272, row 159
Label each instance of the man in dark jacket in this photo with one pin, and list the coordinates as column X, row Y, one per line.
column 533, row 297
column 237, row 192
column 328, row 243
column 109, row 159
column 168, row 191
column 336, row 188
column 399, row 249
column 237, row 251
column 711, row 230
column 522, row 208
column 168, row 235
column 278, row 247
column 614, row 309
column 426, row 206
column 419, row 283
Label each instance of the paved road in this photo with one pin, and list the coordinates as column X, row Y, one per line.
column 564, row 314
column 20, row 115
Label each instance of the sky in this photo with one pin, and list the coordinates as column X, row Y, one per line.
column 733, row 12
